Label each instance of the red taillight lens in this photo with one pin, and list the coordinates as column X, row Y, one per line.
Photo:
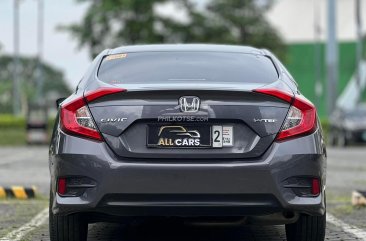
column 283, row 95
column 301, row 118
column 61, row 186
column 77, row 120
column 95, row 94
column 315, row 187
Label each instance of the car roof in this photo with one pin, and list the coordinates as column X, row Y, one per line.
column 187, row 48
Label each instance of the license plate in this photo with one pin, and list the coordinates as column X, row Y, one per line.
column 189, row 136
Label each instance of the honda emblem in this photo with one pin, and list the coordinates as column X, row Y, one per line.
column 189, row 103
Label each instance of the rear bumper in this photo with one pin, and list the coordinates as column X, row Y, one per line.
column 188, row 205
column 233, row 187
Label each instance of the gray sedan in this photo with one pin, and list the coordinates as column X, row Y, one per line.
column 190, row 131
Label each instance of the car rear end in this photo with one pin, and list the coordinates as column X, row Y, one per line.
column 188, row 133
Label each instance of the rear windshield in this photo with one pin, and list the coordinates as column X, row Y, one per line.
column 186, row 67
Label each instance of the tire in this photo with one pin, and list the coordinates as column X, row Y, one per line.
column 73, row 227
column 307, row 228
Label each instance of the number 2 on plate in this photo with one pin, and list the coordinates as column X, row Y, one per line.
column 217, row 136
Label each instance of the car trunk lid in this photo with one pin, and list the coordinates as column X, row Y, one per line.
column 130, row 121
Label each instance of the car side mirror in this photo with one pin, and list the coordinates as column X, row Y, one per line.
column 59, row 101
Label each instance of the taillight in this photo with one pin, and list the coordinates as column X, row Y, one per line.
column 301, row 117
column 95, row 94
column 76, row 118
column 300, row 120
column 283, row 95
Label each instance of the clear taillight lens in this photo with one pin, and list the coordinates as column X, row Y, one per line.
column 84, row 118
column 293, row 119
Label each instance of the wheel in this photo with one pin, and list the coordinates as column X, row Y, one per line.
column 307, row 228
column 72, row 227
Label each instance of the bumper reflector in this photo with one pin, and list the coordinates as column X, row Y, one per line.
column 74, row 186
column 61, row 186
column 315, row 187
column 304, row 186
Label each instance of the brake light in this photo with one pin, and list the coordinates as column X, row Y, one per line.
column 300, row 120
column 283, row 95
column 95, row 94
column 76, row 118
column 301, row 117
